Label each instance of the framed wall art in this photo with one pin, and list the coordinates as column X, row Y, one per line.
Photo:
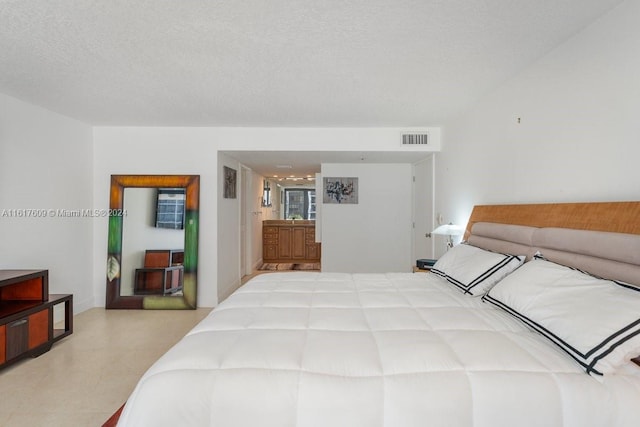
column 229, row 183
column 340, row 190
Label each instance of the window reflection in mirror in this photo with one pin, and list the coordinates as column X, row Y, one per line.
column 170, row 208
column 300, row 203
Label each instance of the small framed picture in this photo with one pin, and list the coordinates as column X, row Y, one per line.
column 340, row 190
column 229, row 183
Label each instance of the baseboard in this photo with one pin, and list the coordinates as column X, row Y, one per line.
column 80, row 306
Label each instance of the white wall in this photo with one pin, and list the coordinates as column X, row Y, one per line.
column 579, row 136
column 228, row 278
column 46, row 163
column 228, row 275
column 161, row 150
column 158, row 151
column 375, row 234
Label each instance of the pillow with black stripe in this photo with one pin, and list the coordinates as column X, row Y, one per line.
column 595, row 321
column 473, row 270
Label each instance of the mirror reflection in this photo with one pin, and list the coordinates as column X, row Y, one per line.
column 266, row 194
column 153, row 242
column 160, row 233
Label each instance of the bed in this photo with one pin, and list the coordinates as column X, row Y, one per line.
column 450, row 348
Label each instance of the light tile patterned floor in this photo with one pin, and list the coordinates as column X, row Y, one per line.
column 86, row 376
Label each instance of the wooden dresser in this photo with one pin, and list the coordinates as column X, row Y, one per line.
column 290, row 241
column 27, row 315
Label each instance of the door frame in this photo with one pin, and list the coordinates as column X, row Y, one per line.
column 419, row 236
column 246, row 224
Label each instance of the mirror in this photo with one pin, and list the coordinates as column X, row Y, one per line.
column 158, row 267
column 153, row 241
column 266, row 194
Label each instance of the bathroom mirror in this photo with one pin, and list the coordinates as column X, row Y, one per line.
column 177, row 278
column 266, row 194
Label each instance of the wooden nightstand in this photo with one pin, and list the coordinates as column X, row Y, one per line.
column 424, row 265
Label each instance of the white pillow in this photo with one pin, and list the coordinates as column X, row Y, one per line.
column 596, row 321
column 474, row 270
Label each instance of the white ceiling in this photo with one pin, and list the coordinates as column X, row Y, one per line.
column 276, row 63
column 290, row 63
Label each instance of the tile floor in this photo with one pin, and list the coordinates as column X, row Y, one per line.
column 88, row 375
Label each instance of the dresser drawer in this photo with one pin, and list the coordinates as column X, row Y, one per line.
column 17, row 337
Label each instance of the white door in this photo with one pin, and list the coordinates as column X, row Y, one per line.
column 423, row 220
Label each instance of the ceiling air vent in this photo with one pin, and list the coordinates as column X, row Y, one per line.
column 415, row 139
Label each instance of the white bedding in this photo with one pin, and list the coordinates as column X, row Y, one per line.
column 326, row 349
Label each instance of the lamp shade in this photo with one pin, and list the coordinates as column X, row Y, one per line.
column 449, row 230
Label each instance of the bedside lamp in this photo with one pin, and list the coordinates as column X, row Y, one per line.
column 449, row 230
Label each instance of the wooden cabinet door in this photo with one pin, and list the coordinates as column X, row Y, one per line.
column 313, row 251
column 312, row 248
column 38, row 328
column 284, row 243
column 298, row 243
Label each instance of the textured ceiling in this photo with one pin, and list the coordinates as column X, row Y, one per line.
column 328, row 63
column 285, row 165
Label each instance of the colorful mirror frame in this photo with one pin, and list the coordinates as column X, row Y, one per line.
column 114, row 257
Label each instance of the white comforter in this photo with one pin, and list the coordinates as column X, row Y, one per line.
column 323, row 349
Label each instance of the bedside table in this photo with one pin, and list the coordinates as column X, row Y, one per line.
column 421, row 270
column 425, row 264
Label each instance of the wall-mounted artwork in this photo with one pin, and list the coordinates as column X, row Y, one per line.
column 340, row 190
column 229, row 183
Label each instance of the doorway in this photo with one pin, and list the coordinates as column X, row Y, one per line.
column 423, row 202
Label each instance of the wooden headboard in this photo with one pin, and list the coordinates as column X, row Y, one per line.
column 618, row 217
